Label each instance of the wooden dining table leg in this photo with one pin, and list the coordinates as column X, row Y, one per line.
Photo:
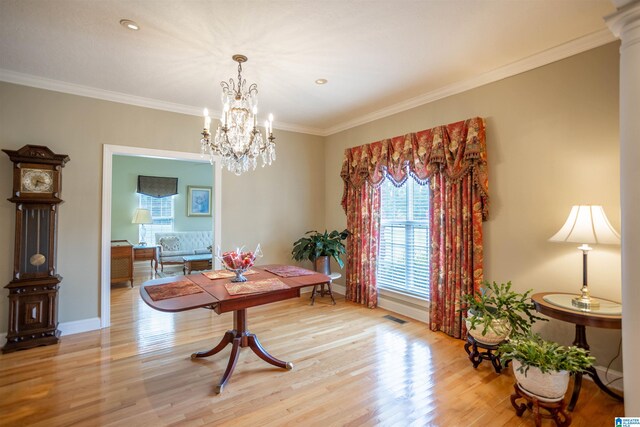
column 254, row 344
column 233, row 359
column 226, row 339
column 240, row 337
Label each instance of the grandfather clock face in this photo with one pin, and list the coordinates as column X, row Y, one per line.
column 36, row 180
column 36, row 235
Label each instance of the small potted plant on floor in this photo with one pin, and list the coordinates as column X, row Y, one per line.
column 541, row 367
column 498, row 312
column 318, row 247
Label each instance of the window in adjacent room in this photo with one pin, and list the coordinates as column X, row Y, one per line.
column 403, row 261
column 162, row 212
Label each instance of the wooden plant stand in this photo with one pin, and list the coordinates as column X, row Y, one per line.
column 476, row 356
column 557, row 411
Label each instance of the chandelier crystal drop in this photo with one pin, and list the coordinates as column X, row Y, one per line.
column 238, row 141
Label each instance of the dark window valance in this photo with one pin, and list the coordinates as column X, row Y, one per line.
column 157, row 186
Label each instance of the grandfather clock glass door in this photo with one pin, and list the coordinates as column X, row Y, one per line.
column 36, row 234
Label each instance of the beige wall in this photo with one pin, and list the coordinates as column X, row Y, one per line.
column 272, row 206
column 552, row 140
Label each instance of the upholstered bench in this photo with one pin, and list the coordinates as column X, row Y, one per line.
column 176, row 244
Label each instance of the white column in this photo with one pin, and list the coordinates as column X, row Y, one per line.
column 625, row 24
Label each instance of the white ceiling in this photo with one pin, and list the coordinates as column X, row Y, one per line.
column 379, row 56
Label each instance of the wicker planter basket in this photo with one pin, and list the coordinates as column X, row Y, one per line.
column 550, row 386
column 498, row 332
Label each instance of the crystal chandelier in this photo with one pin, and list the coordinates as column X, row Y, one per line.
column 238, row 142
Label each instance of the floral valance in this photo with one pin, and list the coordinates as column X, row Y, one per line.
column 456, row 149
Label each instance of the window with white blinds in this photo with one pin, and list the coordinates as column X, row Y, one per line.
column 403, row 259
column 162, row 212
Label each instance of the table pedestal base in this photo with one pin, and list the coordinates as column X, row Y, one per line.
column 556, row 411
column 580, row 341
column 240, row 337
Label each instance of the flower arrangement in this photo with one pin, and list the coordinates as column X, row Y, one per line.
column 238, row 261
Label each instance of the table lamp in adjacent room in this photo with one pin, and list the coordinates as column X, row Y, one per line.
column 586, row 224
column 142, row 216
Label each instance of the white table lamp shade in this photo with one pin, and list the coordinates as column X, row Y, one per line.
column 142, row 216
column 587, row 224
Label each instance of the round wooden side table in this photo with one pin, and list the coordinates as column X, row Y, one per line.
column 333, row 276
column 558, row 306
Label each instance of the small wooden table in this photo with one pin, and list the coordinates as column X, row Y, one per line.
column 146, row 253
column 581, row 319
column 215, row 297
column 332, row 276
column 196, row 263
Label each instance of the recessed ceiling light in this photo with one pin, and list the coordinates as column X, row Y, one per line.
column 321, row 81
column 127, row 23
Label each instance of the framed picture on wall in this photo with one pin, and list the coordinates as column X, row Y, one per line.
column 198, row 201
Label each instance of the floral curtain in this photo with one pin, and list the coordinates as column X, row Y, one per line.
column 363, row 221
column 453, row 158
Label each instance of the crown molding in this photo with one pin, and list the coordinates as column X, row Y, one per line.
column 90, row 92
column 123, row 98
column 557, row 53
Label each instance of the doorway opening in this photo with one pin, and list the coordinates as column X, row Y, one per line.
column 146, row 156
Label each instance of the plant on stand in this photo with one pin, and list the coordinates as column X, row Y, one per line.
column 318, row 247
column 541, row 367
column 498, row 313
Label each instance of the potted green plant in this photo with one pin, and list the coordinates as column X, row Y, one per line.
column 318, row 247
column 541, row 367
column 498, row 313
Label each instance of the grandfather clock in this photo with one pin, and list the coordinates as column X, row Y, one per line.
column 33, row 292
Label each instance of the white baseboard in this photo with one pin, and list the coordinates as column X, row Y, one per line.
column 338, row 289
column 78, row 326
column 407, row 306
column 613, row 375
column 69, row 328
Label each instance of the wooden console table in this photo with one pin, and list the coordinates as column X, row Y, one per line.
column 215, row 297
column 581, row 319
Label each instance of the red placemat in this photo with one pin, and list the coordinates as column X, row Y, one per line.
column 258, row 286
column 290, row 271
column 172, row 290
column 225, row 274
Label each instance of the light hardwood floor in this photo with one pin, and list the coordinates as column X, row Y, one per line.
column 352, row 367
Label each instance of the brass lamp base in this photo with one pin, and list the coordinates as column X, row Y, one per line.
column 585, row 302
